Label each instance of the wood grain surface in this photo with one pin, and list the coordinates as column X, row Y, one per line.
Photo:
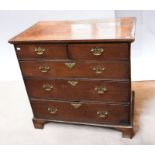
column 120, row 29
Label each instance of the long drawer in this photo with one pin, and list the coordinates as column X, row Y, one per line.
column 84, row 112
column 41, row 51
column 76, row 69
column 72, row 89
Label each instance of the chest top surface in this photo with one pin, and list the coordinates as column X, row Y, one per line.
column 118, row 30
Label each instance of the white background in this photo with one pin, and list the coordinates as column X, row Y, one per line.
column 143, row 49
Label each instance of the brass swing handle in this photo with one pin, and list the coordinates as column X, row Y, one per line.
column 40, row 51
column 97, row 51
column 98, row 69
column 44, row 69
column 52, row 110
column 100, row 90
column 48, row 87
column 102, row 114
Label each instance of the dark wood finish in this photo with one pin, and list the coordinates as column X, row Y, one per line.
column 95, row 82
column 52, row 51
column 111, row 51
column 132, row 105
column 112, row 70
column 127, row 131
column 39, row 123
column 105, row 30
column 84, row 90
column 86, row 113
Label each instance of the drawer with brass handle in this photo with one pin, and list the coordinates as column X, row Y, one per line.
column 84, row 112
column 99, row 51
column 40, row 51
column 98, row 90
column 74, row 69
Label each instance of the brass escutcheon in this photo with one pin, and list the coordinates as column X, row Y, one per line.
column 70, row 65
column 73, row 83
column 76, row 105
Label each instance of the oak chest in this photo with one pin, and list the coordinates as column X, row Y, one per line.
column 79, row 72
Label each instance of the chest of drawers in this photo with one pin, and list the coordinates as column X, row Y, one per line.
column 79, row 72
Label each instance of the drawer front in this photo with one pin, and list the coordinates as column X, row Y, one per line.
column 99, row 51
column 117, row 70
column 84, row 112
column 41, row 51
column 78, row 90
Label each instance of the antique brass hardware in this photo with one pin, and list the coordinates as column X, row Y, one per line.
column 98, row 69
column 102, row 114
column 48, row 87
column 76, row 105
column 70, row 64
column 39, row 50
column 44, row 69
column 52, row 110
column 73, row 83
column 100, row 90
column 97, row 51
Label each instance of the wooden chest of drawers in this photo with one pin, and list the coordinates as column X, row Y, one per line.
column 79, row 72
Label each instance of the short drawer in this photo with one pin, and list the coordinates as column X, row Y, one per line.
column 85, row 112
column 99, row 51
column 41, row 51
column 71, row 89
column 107, row 70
